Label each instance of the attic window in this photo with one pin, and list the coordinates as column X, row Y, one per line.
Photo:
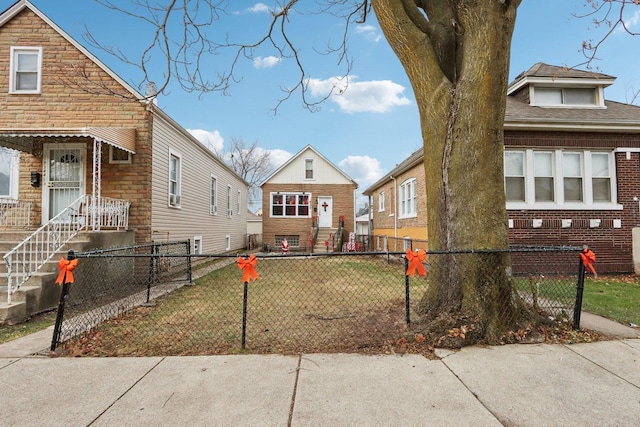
column 26, row 67
column 582, row 96
column 308, row 169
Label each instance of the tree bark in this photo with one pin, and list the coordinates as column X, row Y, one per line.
column 456, row 54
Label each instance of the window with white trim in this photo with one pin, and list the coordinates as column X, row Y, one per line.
column 9, row 162
column 175, row 178
column 407, row 198
column 560, row 179
column 213, row 196
column 290, row 205
column 26, row 70
column 229, row 209
column 118, row 156
column 560, row 96
column 238, row 202
column 308, row 169
column 381, row 201
column 227, row 244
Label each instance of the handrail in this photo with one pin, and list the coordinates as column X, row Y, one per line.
column 25, row 259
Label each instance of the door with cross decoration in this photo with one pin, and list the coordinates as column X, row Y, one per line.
column 325, row 211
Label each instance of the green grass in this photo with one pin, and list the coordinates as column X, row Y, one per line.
column 35, row 324
column 615, row 297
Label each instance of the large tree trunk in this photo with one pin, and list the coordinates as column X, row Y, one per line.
column 457, row 60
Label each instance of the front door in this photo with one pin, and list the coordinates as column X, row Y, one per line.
column 64, row 177
column 325, row 211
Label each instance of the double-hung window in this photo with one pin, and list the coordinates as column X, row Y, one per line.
column 308, row 169
column 175, row 173
column 229, row 209
column 381, row 201
column 407, row 198
column 26, row 70
column 559, row 179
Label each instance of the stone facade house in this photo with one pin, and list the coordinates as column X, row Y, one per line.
column 308, row 201
column 83, row 151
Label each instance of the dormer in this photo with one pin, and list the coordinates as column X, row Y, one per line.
column 548, row 86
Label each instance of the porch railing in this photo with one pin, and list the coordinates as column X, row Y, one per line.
column 15, row 213
column 87, row 212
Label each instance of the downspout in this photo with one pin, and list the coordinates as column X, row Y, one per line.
column 395, row 207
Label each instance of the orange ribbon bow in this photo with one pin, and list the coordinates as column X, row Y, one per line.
column 588, row 258
column 66, row 267
column 247, row 266
column 415, row 262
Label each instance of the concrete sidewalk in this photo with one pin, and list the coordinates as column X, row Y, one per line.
column 514, row 385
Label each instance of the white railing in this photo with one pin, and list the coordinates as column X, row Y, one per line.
column 86, row 212
column 15, row 213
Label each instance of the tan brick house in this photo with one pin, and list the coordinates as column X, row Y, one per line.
column 572, row 169
column 399, row 214
column 82, row 150
column 305, row 196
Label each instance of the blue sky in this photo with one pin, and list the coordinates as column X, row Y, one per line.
column 374, row 124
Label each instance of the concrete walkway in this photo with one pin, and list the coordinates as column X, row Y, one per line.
column 595, row 384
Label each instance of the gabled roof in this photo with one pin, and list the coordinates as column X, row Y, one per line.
column 410, row 162
column 19, row 6
column 298, row 154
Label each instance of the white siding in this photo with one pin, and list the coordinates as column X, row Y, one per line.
column 193, row 217
column 323, row 171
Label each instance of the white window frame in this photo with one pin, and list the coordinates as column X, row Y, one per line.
column 227, row 240
column 297, row 205
column 213, row 195
column 539, row 101
column 558, row 179
column 174, row 197
column 12, row 158
column 115, row 161
column 381, row 201
column 13, row 76
column 407, row 199
column 229, row 208
column 238, row 202
column 313, row 173
column 197, row 245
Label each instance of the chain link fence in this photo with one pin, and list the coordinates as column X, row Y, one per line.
column 161, row 300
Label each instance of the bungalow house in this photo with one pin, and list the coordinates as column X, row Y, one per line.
column 310, row 202
column 83, row 151
column 572, row 168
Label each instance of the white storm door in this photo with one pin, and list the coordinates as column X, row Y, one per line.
column 64, row 177
column 325, row 211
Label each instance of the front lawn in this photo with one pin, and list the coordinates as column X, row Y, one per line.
column 614, row 297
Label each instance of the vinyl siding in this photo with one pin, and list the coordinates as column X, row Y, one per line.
column 193, row 217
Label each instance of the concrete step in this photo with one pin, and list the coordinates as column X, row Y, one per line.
column 13, row 314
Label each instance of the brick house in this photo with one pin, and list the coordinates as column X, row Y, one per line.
column 572, row 168
column 81, row 150
column 399, row 215
column 307, row 194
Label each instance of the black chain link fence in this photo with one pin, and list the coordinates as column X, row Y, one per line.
column 161, row 300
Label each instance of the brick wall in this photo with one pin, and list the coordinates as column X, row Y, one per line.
column 343, row 205
column 611, row 240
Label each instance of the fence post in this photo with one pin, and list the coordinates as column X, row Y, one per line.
column 407, row 299
column 579, row 291
column 57, row 329
column 189, row 271
column 244, row 314
column 152, row 261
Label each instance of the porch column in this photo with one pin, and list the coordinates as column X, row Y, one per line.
column 97, row 178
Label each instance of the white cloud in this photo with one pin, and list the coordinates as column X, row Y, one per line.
column 363, row 169
column 213, row 140
column 633, row 21
column 369, row 32
column 375, row 96
column 259, row 8
column 268, row 62
column 278, row 157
